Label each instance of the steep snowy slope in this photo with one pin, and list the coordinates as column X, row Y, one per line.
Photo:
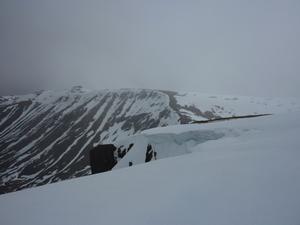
column 46, row 136
column 251, row 177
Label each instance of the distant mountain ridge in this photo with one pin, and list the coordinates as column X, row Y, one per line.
column 46, row 136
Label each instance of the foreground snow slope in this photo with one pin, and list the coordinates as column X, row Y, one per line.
column 251, row 177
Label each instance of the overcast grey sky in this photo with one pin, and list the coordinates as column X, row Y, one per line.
column 231, row 47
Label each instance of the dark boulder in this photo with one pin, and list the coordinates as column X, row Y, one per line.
column 150, row 154
column 102, row 158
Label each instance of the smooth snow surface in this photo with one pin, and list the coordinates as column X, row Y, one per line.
column 250, row 178
column 227, row 105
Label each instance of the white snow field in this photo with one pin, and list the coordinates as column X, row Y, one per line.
column 228, row 105
column 249, row 175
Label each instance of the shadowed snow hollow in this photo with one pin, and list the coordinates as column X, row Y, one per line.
column 172, row 141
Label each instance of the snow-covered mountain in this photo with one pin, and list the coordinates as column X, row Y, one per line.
column 238, row 172
column 46, row 136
